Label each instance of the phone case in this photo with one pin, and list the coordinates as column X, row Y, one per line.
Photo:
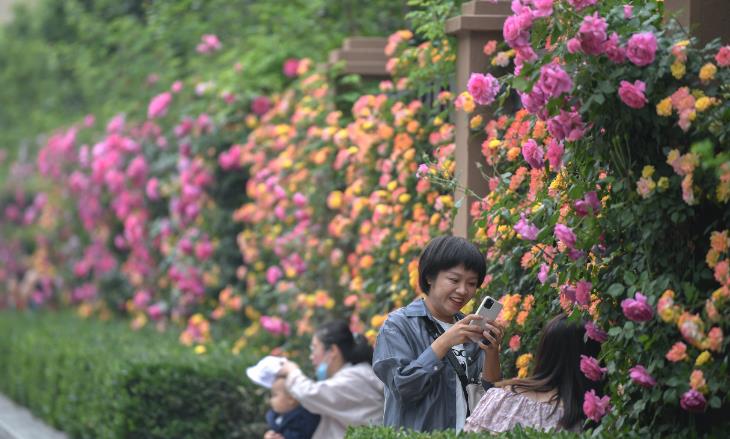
column 488, row 314
column 492, row 313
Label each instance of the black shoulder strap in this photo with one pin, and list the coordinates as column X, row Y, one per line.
column 435, row 333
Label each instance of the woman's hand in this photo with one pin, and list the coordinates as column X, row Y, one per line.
column 271, row 434
column 462, row 332
column 287, row 367
column 492, row 371
column 494, row 333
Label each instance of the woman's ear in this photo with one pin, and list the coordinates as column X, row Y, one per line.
column 336, row 351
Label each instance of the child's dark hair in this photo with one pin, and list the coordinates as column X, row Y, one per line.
column 354, row 347
column 557, row 366
column 446, row 252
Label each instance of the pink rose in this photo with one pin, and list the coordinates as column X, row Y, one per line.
column 555, row 155
column 637, row 309
column 589, row 204
column 640, row 376
column 693, row 401
column 583, row 292
column 566, row 126
column 273, row 274
column 641, row 48
column 290, row 67
column 633, row 94
column 573, row 45
column 526, row 229
column 176, row 87
column 137, row 170
column 141, row 299
column 158, row 105
column 230, row 159
column 483, row 88
column 155, row 311
column 422, row 170
column 554, row 81
column 543, row 8
column 208, row 43
column 628, row 11
column 594, row 407
column 516, row 30
column 591, row 369
column 592, row 34
column 275, row 325
column 299, row 199
column 595, row 333
column 515, row 343
column 533, row 154
column 565, row 234
column 535, row 101
column 613, row 50
column 723, row 56
column 260, row 105
column 581, row 4
column 203, row 250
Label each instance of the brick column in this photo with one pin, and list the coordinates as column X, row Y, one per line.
column 479, row 22
column 705, row 19
column 364, row 56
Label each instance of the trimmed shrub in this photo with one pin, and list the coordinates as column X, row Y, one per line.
column 389, row 433
column 98, row 379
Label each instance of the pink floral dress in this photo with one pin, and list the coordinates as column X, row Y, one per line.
column 502, row 410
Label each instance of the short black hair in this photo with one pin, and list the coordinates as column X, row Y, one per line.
column 446, row 252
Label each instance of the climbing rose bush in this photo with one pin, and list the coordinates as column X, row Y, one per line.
column 608, row 201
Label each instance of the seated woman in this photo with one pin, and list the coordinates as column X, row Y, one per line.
column 552, row 398
column 424, row 352
column 348, row 392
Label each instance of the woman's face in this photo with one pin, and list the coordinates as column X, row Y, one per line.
column 451, row 290
column 316, row 351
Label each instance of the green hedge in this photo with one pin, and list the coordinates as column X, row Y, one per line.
column 96, row 379
column 389, row 433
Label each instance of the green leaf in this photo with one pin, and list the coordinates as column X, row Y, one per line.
column 520, row 84
column 615, row 290
column 629, row 278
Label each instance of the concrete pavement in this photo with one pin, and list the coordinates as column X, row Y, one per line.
column 17, row 422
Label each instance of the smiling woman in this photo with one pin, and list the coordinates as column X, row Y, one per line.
column 424, row 354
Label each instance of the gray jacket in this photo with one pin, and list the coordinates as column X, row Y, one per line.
column 420, row 389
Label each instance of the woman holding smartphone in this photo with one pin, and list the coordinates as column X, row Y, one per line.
column 424, row 353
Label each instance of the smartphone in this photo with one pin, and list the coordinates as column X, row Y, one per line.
column 489, row 309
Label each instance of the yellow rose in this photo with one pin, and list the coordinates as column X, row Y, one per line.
column 702, row 358
column 663, row 183
column 200, row 349
column 377, row 320
column 648, row 171
column 664, row 107
column 334, row 200
column 523, row 361
column 678, row 70
column 707, row 72
column 703, row 104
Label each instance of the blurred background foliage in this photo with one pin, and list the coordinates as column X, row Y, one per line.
column 63, row 59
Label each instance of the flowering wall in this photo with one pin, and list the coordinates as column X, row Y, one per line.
column 608, row 199
column 248, row 219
